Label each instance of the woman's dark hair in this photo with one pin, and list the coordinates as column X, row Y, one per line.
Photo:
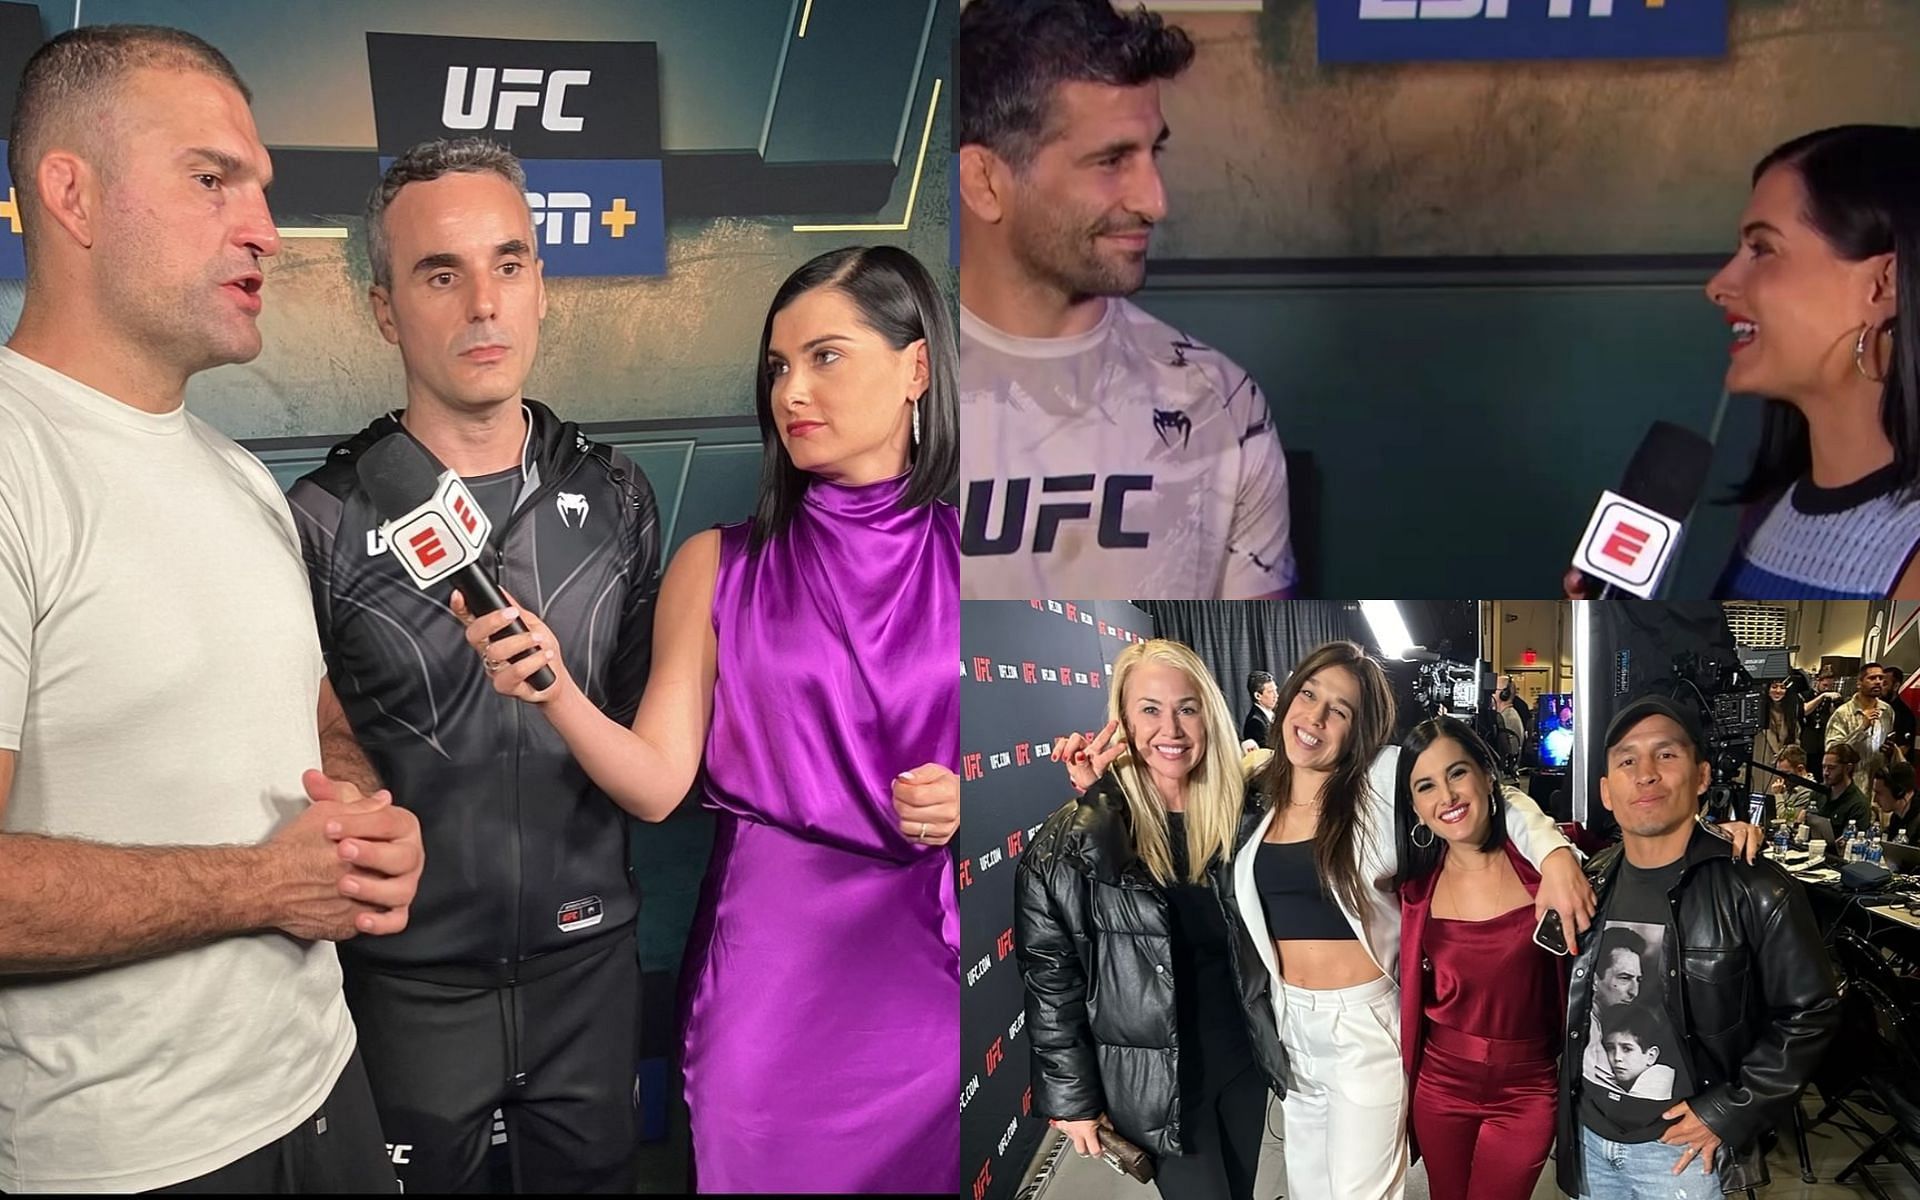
column 1342, row 813
column 1011, row 54
column 1788, row 707
column 898, row 300
column 1863, row 197
column 1416, row 861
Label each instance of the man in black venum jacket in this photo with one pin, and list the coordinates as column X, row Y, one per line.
column 516, row 987
column 1668, row 1095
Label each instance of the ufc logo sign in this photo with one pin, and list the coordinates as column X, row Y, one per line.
column 970, row 767
column 1110, row 529
column 1026, row 672
column 1026, row 1102
column 982, row 670
column 1066, row 676
column 1014, row 841
column 980, row 1181
column 1022, row 754
column 400, row 1153
column 1072, row 612
column 1093, row 679
column 966, row 873
column 526, row 87
column 1003, row 945
column 996, row 1054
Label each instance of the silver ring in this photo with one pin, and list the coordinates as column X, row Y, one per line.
column 489, row 665
column 922, row 835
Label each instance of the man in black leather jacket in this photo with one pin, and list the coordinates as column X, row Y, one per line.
column 1735, row 1001
column 516, row 987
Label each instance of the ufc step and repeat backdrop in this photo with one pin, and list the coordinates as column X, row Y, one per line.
column 1033, row 671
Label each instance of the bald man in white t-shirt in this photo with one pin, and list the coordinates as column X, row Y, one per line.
column 1103, row 451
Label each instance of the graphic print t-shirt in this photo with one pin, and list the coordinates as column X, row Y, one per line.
column 1129, row 460
column 1633, row 1068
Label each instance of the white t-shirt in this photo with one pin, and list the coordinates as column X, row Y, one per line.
column 1126, row 461
column 159, row 675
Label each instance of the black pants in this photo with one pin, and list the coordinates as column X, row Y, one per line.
column 337, row 1149
column 1221, row 1135
column 556, row 1054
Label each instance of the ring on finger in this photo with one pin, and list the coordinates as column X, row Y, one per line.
column 489, row 665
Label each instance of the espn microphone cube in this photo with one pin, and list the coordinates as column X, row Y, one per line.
column 1627, row 544
column 442, row 535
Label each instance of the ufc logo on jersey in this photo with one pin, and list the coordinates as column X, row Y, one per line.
column 1077, row 504
column 461, row 111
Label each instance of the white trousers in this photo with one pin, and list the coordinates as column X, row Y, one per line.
column 1346, row 1101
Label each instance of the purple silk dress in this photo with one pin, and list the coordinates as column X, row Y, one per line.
column 823, row 1004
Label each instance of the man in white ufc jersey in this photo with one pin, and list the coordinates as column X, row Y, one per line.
column 1103, row 452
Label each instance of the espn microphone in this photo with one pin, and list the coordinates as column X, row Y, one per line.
column 1630, row 541
column 435, row 528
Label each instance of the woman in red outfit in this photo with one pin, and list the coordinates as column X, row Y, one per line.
column 1480, row 1003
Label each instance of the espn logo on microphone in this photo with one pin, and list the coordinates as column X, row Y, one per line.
column 441, row 536
column 1627, row 545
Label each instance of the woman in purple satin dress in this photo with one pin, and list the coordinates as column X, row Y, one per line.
column 810, row 654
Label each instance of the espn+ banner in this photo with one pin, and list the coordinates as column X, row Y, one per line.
column 1428, row 30
column 583, row 118
column 1033, row 671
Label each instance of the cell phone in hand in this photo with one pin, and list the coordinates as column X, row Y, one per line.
column 1549, row 936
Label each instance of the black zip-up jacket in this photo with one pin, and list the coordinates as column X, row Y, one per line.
column 526, row 858
column 1093, row 933
column 1755, row 1001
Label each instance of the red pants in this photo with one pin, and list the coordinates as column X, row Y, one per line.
column 1482, row 1112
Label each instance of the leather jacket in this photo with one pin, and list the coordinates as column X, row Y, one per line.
column 1756, row 1002
column 1093, row 933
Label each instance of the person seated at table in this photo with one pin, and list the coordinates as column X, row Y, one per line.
column 1844, row 801
column 1792, row 800
column 1893, row 802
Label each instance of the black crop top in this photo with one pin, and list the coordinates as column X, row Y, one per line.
column 1297, row 907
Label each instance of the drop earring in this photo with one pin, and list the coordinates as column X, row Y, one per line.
column 916, row 424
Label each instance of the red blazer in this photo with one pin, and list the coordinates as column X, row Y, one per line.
column 1416, row 902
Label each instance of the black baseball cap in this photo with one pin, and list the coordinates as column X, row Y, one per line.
column 1655, row 706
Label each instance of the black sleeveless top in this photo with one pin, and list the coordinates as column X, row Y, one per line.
column 1297, row 907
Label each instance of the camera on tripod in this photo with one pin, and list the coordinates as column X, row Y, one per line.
column 1733, row 711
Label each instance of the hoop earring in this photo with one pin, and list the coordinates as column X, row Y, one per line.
column 1419, row 828
column 1860, row 356
column 916, row 424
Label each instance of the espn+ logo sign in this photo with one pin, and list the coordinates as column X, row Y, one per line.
column 1442, row 10
column 529, row 87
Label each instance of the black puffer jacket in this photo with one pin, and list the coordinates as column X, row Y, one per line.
column 1094, row 937
column 1756, row 1003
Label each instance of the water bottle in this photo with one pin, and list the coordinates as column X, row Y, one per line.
column 1848, row 840
column 1873, row 843
column 1781, row 837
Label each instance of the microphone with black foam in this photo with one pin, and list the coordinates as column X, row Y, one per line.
column 435, row 527
column 1635, row 530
